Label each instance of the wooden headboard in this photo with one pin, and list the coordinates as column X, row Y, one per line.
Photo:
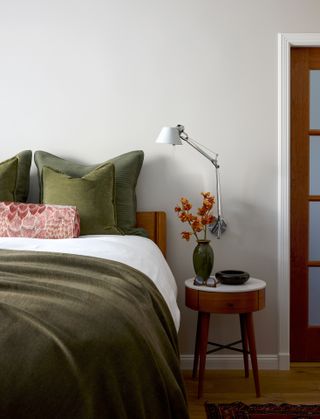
column 155, row 224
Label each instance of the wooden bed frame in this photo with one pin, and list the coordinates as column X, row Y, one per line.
column 155, row 224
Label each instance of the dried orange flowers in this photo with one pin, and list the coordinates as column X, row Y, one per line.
column 198, row 222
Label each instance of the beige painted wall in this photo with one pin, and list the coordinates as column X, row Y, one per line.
column 90, row 79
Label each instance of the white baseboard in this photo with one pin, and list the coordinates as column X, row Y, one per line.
column 233, row 362
column 284, row 361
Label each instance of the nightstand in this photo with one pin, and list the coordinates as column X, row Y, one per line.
column 227, row 299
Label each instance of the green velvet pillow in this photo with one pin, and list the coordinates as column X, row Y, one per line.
column 14, row 177
column 92, row 194
column 127, row 170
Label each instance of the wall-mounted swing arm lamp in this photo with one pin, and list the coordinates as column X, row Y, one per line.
column 175, row 136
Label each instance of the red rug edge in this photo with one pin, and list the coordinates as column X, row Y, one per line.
column 215, row 410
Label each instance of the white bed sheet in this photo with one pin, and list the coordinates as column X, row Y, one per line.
column 138, row 252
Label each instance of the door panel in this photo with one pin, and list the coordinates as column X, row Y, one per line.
column 314, row 99
column 314, row 231
column 305, row 205
column 314, row 296
column 314, row 162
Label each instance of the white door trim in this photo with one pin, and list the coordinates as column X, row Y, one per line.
column 285, row 42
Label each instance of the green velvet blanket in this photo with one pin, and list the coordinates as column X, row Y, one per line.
column 83, row 337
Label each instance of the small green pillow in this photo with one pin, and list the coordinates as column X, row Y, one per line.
column 127, row 170
column 14, row 177
column 8, row 179
column 92, row 194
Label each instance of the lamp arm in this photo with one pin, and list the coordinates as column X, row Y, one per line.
column 219, row 226
column 205, row 154
column 218, row 189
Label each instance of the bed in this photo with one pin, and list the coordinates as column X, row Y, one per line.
column 87, row 337
column 89, row 325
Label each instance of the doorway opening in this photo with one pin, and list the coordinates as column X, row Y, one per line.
column 285, row 43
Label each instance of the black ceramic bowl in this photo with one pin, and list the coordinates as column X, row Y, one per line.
column 232, row 277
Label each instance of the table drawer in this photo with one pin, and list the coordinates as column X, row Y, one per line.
column 242, row 302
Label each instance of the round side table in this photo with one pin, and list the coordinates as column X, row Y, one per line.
column 227, row 299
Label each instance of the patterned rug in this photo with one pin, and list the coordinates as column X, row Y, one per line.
column 240, row 410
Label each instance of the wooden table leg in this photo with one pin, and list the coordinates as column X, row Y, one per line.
column 204, row 320
column 253, row 353
column 196, row 350
column 244, row 339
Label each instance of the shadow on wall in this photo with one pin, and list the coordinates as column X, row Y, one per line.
column 162, row 182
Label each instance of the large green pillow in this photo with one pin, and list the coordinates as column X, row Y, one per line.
column 14, row 177
column 92, row 194
column 127, row 170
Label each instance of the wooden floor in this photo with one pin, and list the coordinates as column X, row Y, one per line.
column 299, row 385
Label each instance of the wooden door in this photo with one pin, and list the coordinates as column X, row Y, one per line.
column 305, row 205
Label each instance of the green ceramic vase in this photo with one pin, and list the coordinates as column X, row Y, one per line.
column 203, row 259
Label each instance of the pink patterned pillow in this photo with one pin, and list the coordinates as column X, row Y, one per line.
column 38, row 220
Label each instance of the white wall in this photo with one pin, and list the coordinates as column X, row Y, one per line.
column 90, row 79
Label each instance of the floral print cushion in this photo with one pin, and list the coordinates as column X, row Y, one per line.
column 38, row 221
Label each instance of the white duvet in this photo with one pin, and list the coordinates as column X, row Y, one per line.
column 138, row 252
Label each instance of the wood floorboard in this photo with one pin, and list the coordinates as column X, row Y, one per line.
column 299, row 385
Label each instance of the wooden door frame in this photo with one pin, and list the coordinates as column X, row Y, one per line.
column 285, row 42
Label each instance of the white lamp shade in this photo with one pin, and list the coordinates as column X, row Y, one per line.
column 169, row 135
